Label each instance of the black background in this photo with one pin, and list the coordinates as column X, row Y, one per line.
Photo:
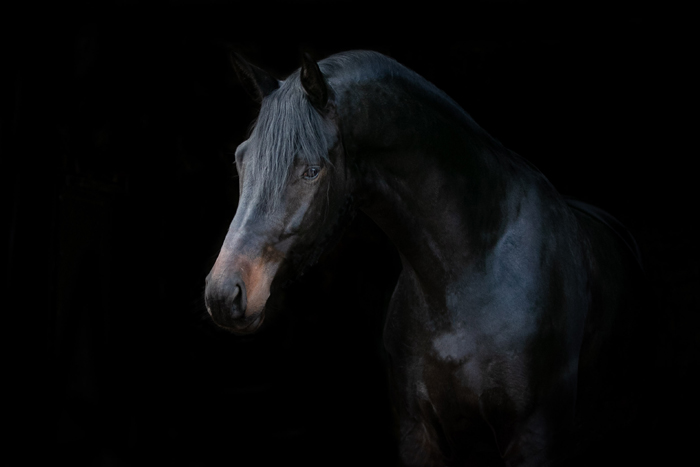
column 118, row 123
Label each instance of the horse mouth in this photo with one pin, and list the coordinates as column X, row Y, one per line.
column 247, row 325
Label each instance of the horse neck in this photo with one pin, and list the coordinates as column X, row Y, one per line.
column 438, row 185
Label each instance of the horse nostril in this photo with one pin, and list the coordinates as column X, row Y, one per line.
column 237, row 305
column 225, row 300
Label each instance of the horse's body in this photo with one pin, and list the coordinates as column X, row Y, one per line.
column 509, row 319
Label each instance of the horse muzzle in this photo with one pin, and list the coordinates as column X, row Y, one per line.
column 226, row 300
column 237, row 289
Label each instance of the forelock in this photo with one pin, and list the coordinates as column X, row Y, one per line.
column 288, row 127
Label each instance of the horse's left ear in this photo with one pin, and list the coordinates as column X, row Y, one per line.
column 314, row 83
column 256, row 82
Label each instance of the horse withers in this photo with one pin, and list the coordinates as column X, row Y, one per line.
column 509, row 331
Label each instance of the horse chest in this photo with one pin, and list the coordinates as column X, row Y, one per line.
column 473, row 349
column 457, row 375
column 465, row 366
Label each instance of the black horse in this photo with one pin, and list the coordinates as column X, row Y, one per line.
column 510, row 332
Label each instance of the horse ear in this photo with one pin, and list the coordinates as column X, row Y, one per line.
column 257, row 82
column 313, row 82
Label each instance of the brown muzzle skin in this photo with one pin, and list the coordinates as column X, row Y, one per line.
column 238, row 285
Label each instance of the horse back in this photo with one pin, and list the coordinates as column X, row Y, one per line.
column 615, row 351
column 613, row 225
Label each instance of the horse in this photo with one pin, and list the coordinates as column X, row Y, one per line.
column 510, row 332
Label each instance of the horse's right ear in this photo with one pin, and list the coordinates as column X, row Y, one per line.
column 256, row 82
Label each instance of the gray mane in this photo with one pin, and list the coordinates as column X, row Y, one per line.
column 288, row 127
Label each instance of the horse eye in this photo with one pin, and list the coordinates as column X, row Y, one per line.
column 311, row 173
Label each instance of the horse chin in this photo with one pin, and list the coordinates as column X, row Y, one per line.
column 247, row 325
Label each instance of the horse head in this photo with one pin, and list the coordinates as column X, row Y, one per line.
column 293, row 185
